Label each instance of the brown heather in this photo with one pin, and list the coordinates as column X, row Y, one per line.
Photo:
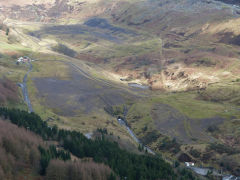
column 8, row 91
column 77, row 170
column 19, row 153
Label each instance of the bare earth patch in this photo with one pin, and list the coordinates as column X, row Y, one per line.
column 79, row 94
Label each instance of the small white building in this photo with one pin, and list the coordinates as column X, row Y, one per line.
column 20, row 59
column 24, row 59
column 189, row 164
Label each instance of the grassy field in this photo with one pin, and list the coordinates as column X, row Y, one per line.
column 50, row 69
column 84, row 122
column 185, row 110
column 222, row 92
column 6, row 45
column 15, row 73
column 189, row 104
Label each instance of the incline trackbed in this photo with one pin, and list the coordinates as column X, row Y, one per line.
column 82, row 93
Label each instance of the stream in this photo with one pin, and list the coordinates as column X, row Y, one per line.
column 123, row 123
column 140, row 86
column 23, row 86
column 201, row 171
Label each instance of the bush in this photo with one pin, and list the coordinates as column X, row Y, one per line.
column 195, row 153
column 231, row 163
column 206, row 62
column 7, row 31
column 186, row 174
column 170, row 145
column 150, row 137
column 61, row 48
column 221, row 148
column 184, row 158
column 212, row 128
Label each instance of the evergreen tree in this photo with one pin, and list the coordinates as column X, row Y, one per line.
column 122, row 162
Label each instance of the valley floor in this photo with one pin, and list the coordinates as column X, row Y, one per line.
column 169, row 71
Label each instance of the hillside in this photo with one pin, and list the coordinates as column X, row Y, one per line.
column 168, row 69
column 21, row 158
column 123, row 39
column 100, row 150
column 19, row 152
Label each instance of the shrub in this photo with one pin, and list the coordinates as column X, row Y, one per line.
column 170, row 145
column 61, row 48
column 212, row 128
column 7, row 31
column 221, row 148
column 206, row 62
column 195, row 153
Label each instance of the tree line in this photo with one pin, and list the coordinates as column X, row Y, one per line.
column 51, row 153
column 123, row 163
